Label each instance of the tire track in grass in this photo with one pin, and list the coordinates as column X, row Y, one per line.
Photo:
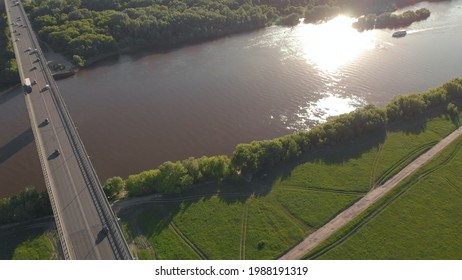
column 318, row 189
column 384, row 204
column 188, row 242
column 299, row 223
column 245, row 216
column 180, row 235
column 373, row 197
column 453, row 186
column 396, row 166
column 375, row 163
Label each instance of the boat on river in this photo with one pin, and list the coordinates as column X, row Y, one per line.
column 400, row 33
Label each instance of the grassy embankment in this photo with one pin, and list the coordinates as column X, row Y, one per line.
column 265, row 218
column 421, row 219
column 28, row 243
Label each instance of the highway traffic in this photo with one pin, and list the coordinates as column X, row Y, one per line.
column 87, row 227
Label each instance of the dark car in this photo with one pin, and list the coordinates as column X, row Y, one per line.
column 56, row 152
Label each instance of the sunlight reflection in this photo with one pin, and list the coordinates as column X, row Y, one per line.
column 320, row 110
column 333, row 44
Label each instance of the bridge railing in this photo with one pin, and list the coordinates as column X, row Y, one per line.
column 104, row 210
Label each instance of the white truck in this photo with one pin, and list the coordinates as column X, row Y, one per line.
column 27, row 85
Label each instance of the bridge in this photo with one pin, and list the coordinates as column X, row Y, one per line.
column 86, row 224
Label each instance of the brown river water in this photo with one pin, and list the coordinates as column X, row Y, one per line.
column 137, row 111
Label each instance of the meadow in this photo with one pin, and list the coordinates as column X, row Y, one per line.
column 28, row 243
column 420, row 220
column 265, row 218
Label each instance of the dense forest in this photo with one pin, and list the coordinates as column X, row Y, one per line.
column 24, row 206
column 86, row 28
column 8, row 69
column 248, row 159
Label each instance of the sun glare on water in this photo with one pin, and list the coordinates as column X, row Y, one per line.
column 329, row 48
column 333, row 44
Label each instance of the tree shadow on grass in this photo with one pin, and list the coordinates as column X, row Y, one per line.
column 411, row 126
column 146, row 220
column 418, row 124
column 331, row 154
column 14, row 237
column 231, row 192
column 261, row 183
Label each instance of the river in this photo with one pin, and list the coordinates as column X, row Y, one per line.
column 137, row 111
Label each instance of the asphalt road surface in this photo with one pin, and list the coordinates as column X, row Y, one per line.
column 78, row 217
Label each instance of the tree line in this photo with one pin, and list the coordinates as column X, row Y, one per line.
column 84, row 29
column 248, row 159
column 27, row 205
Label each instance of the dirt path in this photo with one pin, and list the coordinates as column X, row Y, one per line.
column 314, row 239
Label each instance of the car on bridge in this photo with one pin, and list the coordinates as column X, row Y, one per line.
column 45, row 88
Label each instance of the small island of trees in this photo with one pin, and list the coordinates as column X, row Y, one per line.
column 390, row 20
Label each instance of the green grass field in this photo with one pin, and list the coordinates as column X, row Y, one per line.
column 270, row 229
column 424, row 222
column 213, row 225
column 28, row 244
column 293, row 201
column 312, row 207
column 150, row 230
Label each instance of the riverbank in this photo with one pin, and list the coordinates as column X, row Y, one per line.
column 260, row 156
column 154, row 49
column 101, row 40
column 266, row 217
column 202, row 38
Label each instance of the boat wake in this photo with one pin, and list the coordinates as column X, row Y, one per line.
column 436, row 28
